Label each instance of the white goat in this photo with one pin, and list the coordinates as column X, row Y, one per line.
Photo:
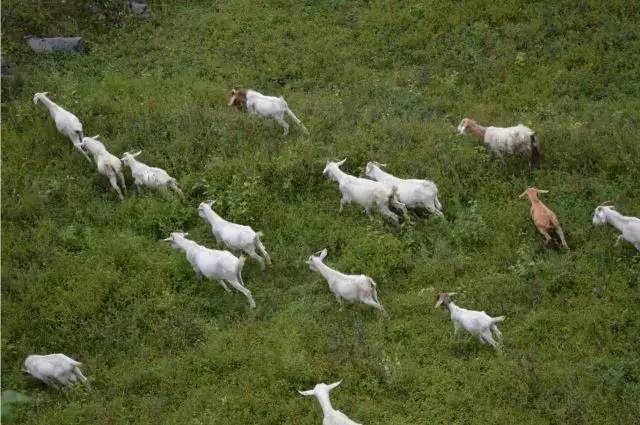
column 477, row 323
column 364, row 192
column 264, row 106
column 55, row 370
column 331, row 416
column 234, row 236
column 67, row 124
column 414, row 193
column 629, row 226
column 505, row 140
column 213, row 264
column 344, row 286
column 108, row 165
column 153, row 177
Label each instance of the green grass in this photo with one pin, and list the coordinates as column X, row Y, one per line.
column 85, row 274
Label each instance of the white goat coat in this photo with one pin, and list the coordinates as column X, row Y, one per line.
column 477, row 323
column 67, row 124
column 271, row 107
column 509, row 140
column 414, row 193
column 152, row 177
column 627, row 225
column 54, row 369
column 106, row 162
column 331, row 415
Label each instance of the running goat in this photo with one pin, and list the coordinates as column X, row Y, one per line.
column 152, row 177
column 234, row 236
column 544, row 219
column 477, row 323
column 629, row 226
column 331, row 415
column 55, row 370
column 264, row 106
column 213, row 264
column 108, row 164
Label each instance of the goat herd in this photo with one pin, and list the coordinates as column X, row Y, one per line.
column 389, row 195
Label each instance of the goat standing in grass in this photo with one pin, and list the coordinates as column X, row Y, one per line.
column 629, row 226
column 67, row 124
column 348, row 287
column 108, row 165
column 414, row 193
column 477, row 323
column 55, row 370
column 152, row 177
column 331, row 415
column 234, row 236
column 265, row 107
column 213, row 264
column 544, row 219
column 366, row 193
column 505, row 140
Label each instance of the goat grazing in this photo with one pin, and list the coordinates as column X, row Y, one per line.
column 505, row 140
column 366, row 193
column 264, row 106
column 348, row 287
column 477, row 323
column 153, row 177
column 234, row 236
column 55, row 370
column 213, row 264
column 414, row 193
column 629, row 226
column 108, row 165
column 544, row 219
column 67, row 124
column 331, row 416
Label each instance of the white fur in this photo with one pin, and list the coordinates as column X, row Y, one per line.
column 331, row 416
column 346, row 287
column 629, row 226
column 152, row 177
column 108, row 165
column 55, row 370
column 234, row 236
column 269, row 107
column 477, row 323
column 414, row 193
column 364, row 192
column 67, row 124
column 213, row 264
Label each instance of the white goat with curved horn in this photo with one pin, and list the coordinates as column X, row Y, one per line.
column 331, row 415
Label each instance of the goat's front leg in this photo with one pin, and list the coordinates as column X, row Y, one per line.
column 284, row 124
column 114, row 184
column 618, row 240
column 340, row 302
column 562, row 240
column 544, row 233
column 456, row 328
column 343, row 201
column 224, row 285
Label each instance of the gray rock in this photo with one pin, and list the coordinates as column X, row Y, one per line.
column 56, row 44
column 140, row 8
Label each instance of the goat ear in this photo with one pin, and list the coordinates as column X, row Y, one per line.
column 323, row 254
column 96, row 136
column 308, row 392
column 542, row 191
column 136, row 154
column 523, row 194
column 210, row 202
column 335, row 384
column 339, row 163
column 169, row 239
column 438, row 303
column 451, row 294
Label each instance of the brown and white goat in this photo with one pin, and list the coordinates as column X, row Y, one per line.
column 544, row 219
column 264, row 106
column 502, row 141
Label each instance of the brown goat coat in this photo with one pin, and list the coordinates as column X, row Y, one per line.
column 543, row 218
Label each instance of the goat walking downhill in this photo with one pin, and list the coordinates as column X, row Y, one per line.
column 265, row 107
column 502, row 141
column 108, row 164
column 234, row 236
column 55, row 370
column 344, row 286
column 629, row 226
column 67, row 124
column 477, row 323
column 213, row 264
column 331, row 415
column 413, row 193
column 366, row 193
column 152, row 177
column 544, row 219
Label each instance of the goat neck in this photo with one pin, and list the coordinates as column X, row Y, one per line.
column 326, row 271
column 212, row 217
column 477, row 129
column 614, row 218
column 325, row 402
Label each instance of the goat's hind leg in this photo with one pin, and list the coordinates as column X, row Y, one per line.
column 114, row 184
column 237, row 285
column 385, row 211
column 283, row 123
column 251, row 252
column 561, row 236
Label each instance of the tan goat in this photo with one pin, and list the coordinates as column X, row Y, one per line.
column 544, row 219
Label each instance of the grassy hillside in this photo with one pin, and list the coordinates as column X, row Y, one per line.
column 85, row 274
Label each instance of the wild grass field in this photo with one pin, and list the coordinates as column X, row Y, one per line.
column 85, row 274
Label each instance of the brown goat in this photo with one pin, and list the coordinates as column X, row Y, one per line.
column 544, row 219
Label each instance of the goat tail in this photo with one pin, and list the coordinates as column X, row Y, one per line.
column 497, row 319
column 294, row 118
column 260, row 247
column 239, row 267
column 535, row 150
column 374, row 292
column 437, row 203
